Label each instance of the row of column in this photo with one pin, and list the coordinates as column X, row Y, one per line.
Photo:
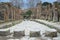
column 11, row 13
column 51, row 13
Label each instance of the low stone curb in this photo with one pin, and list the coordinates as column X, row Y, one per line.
column 10, row 25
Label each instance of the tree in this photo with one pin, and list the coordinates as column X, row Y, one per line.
column 55, row 11
column 56, row 4
column 46, row 3
column 48, row 7
column 27, row 14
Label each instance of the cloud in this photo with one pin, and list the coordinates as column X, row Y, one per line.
column 55, row 0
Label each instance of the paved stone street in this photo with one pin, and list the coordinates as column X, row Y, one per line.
column 29, row 26
column 29, row 20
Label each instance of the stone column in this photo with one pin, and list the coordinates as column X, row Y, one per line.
column 37, row 13
column 6, row 15
column 46, row 13
column 49, row 12
column 12, row 13
column 39, row 10
column 55, row 14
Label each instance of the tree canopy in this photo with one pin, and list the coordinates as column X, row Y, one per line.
column 47, row 3
column 27, row 14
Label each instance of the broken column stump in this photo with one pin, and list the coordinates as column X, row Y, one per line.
column 19, row 33
column 34, row 34
column 51, row 33
column 5, row 33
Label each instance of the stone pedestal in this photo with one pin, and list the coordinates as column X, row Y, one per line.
column 51, row 33
column 34, row 34
column 19, row 33
column 4, row 33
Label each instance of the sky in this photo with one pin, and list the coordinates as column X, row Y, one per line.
column 48, row 1
column 4, row 0
column 25, row 0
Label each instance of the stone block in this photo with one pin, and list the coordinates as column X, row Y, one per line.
column 34, row 34
column 19, row 33
column 4, row 33
column 51, row 34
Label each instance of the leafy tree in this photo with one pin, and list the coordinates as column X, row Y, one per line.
column 56, row 4
column 46, row 4
column 27, row 14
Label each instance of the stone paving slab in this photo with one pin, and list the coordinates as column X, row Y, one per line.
column 30, row 26
column 53, row 24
